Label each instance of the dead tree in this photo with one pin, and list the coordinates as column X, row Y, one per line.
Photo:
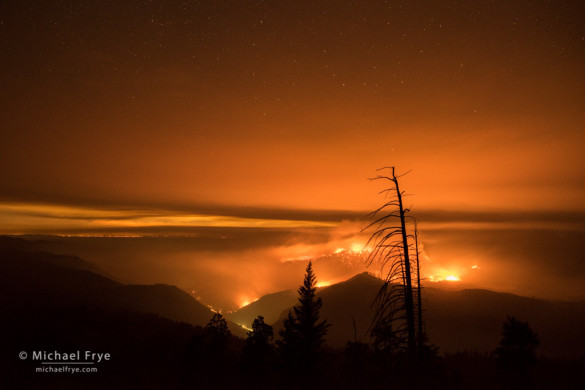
column 421, row 332
column 395, row 307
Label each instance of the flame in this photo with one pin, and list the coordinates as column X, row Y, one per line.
column 444, row 276
column 246, row 300
column 323, row 284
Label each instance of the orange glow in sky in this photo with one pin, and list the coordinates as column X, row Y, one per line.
column 253, row 117
column 295, row 116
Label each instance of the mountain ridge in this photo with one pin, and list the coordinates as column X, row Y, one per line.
column 33, row 278
column 455, row 320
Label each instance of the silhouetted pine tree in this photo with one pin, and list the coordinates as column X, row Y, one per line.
column 518, row 344
column 258, row 350
column 217, row 338
column 261, row 332
column 303, row 334
column 385, row 339
column 288, row 345
column 217, row 326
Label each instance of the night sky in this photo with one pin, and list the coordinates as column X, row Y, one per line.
column 131, row 114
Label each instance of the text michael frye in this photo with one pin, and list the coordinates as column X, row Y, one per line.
column 66, row 357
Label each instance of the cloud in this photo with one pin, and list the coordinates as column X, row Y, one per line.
column 17, row 218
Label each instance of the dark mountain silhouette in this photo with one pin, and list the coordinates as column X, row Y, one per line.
column 272, row 306
column 15, row 245
column 145, row 348
column 54, row 303
column 345, row 300
column 471, row 319
column 461, row 320
column 457, row 320
column 29, row 278
column 269, row 306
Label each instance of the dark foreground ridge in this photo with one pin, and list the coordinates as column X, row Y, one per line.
column 463, row 320
column 155, row 337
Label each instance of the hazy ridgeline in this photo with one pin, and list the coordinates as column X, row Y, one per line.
column 156, row 337
column 220, row 265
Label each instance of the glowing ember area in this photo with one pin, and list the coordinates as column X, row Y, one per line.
column 245, row 301
column 246, row 327
column 454, row 273
column 444, row 276
column 355, row 248
column 323, row 284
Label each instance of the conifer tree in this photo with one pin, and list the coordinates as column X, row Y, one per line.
column 303, row 334
column 261, row 332
column 259, row 350
column 216, row 340
column 518, row 344
column 217, row 326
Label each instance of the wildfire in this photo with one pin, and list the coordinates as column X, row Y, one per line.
column 245, row 301
column 445, row 276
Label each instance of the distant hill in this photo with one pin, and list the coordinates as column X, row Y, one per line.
column 458, row 320
column 331, row 267
column 269, row 306
column 472, row 319
column 275, row 305
column 346, row 300
column 54, row 303
column 29, row 278
column 16, row 246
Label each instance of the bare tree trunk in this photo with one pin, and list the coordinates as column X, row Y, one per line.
column 391, row 249
column 409, row 301
column 421, row 332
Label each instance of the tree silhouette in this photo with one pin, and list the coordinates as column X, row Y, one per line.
column 258, row 349
column 303, row 334
column 385, row 339
column 518, row 344
column 421, row 335
column 289, row 343
column 217, row 338
column 217, row 326
column 261, row 332
column 392, row 250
